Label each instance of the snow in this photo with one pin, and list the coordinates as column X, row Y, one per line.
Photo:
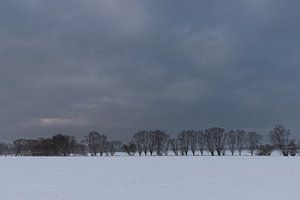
column 123, row 177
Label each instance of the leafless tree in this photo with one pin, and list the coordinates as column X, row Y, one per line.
column 175, row 146
column 231, row 141
column 210, row 142
column 19, row 145
column 166, row 145
column 280, row 137
column 292, row 148
column 45, row 147
column 140, row 139
column 184, row 138
column 201, row 141
column 106, row 148
column 152, row 142
column 93, row 142
column 102, row 143
column 193, row 141
column 240, row 140
column 220, row 139
column 253, row 140
column 97, row 143
column 82, row 147
column 64, row 144
column 216, row 140
column 130, row 148
column 113, row 146
column 4, row 149
column 161, row 137
column 146, row 142
column 157, row 141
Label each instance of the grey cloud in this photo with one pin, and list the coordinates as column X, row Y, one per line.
column 117, row 67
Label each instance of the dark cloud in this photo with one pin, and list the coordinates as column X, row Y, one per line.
column 119, row 66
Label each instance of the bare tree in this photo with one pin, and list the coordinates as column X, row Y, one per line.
column 82, row 147
column 45, row 147
column 96, row 143
column 175, row 146
column 166, row 145
column 231, row 141
column 102, row 143
column 253, row 140
column 141, row 141
column 220, row 139
column 201, row 141
column 193, row 141
column 130, row 148
column 146, row 142
column 152, row 142
column 216, row 138
column 157, row 139
column 92, row 142
column 292, row 148
column 210, row 142
column 19, row 146
column 280, row 137
column 63, row 144
column 4, row 149
column 240, row 140
column 184, row 138
column 160, row 139
column 113, row 146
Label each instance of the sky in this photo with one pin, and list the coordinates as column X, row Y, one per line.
column 117, row 67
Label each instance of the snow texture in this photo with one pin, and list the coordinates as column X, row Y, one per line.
column 153, row 178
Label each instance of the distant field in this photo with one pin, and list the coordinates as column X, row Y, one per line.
column 153, row 178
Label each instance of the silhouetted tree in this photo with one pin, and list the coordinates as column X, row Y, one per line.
column 280, row 137
column 96, row 143
column 210, row 142
column 201, row 141
column 152, row 142
column 19, row 146
column 130, row 148
column 193, row 141
column 156, row 141
column 113, row 146
column 253, row 140
column 82, row 148
column 140, row 139
column 292, row 148
column 240, row 140
column 231, row 141
column 63, row 144
column 46, row 147
column 175, row 146
column 184, row 138
column 161, row 138
column 166, row 145
column 4, row 149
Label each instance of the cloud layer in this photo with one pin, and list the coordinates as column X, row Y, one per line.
column 120, row 66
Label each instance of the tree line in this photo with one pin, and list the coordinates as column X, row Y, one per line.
column 212, row 141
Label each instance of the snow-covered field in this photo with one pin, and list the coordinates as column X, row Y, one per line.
column 153, row 178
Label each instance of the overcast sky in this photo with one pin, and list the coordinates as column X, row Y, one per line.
column 72, row 66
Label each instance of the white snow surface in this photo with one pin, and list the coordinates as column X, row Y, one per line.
column 153, row 178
